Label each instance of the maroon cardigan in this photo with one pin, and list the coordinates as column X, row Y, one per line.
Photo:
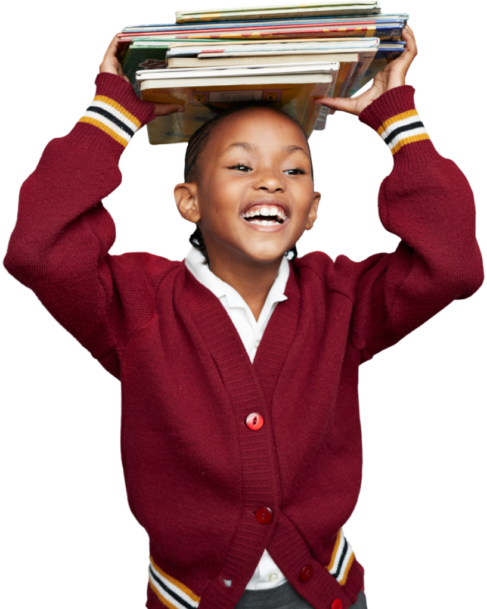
column 212, row 492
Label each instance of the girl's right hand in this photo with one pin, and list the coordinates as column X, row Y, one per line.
column 111, row 64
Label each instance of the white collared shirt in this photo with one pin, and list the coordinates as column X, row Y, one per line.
column 250, row 330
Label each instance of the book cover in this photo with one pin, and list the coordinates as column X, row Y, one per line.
column 206, row 99
column 312, row 56
column 298, row 32
column 347, row 62
column 398, row 19
column 261, row 25
column 142, row 57
column 366, row 58
column 315, row 45
column 296, row 10
column 162, row 77
column 149, row 54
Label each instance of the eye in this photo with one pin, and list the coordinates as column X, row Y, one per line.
column 295, row 171
column 241, row 165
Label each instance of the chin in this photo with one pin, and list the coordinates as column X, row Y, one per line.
column 266, row 255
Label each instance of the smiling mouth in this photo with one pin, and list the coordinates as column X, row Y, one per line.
column 264, row 220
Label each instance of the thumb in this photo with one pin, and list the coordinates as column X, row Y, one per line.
column 164, row 109
column 348, row 105
column 342, row 104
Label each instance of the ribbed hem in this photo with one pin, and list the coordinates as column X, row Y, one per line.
column 113, row 118
column 394, row 116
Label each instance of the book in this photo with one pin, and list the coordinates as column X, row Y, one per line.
column 269, row 45
column 291, row 88
column 295, row 32
column 330, row 17
column 385, row 29
column 347, row 62
column 200, row 56
column 227, row 49
column 355, row 7
column 158, row 54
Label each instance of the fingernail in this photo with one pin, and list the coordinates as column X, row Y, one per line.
column 181, row 109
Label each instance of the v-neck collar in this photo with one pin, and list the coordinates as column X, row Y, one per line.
column 226, row 347
column 196, row 263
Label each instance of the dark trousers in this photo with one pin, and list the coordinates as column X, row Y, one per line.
column 282, row 597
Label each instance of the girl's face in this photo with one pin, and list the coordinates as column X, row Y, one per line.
column 254, row 194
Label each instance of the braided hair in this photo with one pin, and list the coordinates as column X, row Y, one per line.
column 197, row 143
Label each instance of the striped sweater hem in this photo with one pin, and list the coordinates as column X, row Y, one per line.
column 175, row 595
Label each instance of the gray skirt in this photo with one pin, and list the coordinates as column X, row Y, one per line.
column 282, row 597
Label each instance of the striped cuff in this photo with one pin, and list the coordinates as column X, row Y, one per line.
column 171, row 592
column 112, row 118
column 402, row 129
column 394, row 117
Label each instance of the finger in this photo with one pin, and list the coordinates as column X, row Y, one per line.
column 410, row 39
column 411, row 31
column 112, row 48
column 110, row 40
column 341, row 104
column 411, row 50
column 165, row 109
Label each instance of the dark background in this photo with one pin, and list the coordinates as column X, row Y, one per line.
column 418, row 401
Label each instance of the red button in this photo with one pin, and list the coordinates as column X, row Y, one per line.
column 264, row 515
column 336, row 604
column 254, row 421
column 306, row 573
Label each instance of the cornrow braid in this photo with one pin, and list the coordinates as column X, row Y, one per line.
column 197, row 143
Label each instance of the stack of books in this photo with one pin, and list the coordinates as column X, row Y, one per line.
column 284, row 56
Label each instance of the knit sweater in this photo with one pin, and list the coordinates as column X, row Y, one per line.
column 212, row 485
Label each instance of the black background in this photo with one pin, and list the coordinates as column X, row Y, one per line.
column 63, row 479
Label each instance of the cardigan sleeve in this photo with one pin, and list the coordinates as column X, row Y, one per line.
column 59, row 246
column 428, row 203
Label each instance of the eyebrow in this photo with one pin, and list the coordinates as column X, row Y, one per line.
column 246, row 146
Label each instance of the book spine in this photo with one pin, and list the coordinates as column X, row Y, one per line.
column 370, row 10
column 366, row 59
column 360, row 32
column 320, row 122
column 350, row 73
column 312, row 112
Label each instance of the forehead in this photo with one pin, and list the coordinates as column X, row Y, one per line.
column 263, row 127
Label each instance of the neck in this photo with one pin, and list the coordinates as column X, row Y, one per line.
column 251, row 279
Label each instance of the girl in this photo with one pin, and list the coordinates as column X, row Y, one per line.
column 240, row 423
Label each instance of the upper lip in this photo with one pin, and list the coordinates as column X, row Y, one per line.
column 269, row 201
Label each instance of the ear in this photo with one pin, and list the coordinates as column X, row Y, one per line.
column 186, row 196
column 313, row 212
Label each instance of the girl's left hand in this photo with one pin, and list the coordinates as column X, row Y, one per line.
column 393, row 75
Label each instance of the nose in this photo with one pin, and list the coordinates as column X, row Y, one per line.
column 269, row 180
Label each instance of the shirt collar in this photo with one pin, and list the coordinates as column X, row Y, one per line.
column 195, row 262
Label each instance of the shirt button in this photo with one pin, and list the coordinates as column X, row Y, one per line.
column 254, row 421
column 273, row 577
column 257, row 343
column 336, row 604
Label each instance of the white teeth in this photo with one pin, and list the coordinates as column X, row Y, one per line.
column 264, row 222
column 265, row 211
